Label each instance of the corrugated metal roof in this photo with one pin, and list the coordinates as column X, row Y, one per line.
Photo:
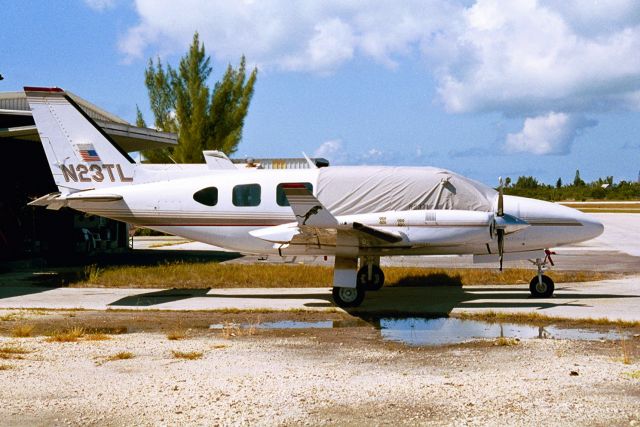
column 18, row 101
column 16, row 123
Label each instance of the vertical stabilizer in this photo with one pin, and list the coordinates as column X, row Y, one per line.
column 80, row 154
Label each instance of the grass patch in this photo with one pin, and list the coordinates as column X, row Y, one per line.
column 67, row 335
column 635, row 375
column 22, row 331
column 189, row 355
column 176, row 334
column 4, row 367
column 122, row 355
column 215, row 275
column 537, row 318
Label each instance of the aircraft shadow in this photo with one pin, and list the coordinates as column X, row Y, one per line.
column 18, row 291
column 159, row 297
column 391, row 301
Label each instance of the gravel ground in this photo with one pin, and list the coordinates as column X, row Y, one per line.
column 325, row 377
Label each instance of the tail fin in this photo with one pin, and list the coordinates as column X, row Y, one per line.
column 80, row 154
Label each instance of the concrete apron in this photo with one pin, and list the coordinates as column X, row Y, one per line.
column 616, row 299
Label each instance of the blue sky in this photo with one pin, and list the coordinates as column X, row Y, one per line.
column 486, row 88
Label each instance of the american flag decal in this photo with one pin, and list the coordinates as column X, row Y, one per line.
column 88, row 153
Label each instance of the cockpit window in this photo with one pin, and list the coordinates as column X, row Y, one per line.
column 207, row 196
column 281, row 198
column 246, row 195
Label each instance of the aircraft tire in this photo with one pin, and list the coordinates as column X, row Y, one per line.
column 348, row 297
column 377, row 278
column 541, row 290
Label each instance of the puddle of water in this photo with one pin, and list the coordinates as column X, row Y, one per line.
column 420, row 331
column 439, row 331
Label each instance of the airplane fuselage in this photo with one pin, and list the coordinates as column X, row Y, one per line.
column 170, row 206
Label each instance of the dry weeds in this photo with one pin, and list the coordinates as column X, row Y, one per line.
column 231, row 330
column 122, row 355
column 189, row 355
column 506, row 342
column 13, row 352
column 23, row 331
column 4, row 367
column 176, row 334
column 67, row 335
column 625, row 348
column 97, row 336
column 537, row 318
column 10, row 317
column 215, row 275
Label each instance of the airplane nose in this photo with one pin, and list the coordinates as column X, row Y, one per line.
column 592, row 228
column 552, row 224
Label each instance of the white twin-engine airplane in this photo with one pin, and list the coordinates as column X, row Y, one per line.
column 355, row 213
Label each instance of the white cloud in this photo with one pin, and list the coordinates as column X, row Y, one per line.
column 332, row 150
column 100, row 5
column 301, row 36
column 529, row 57
column 549, row 134
column 518, row 58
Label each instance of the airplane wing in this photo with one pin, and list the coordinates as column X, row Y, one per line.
column 317, row 226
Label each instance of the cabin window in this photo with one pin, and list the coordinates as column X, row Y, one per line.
column 207, row 196
column 246, row 195
column 281, row 199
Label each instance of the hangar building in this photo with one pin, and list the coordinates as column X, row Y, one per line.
column 25, row 175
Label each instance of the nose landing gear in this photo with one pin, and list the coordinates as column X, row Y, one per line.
column 542, row 286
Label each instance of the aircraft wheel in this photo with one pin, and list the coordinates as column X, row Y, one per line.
column 348, row 297
column 541, row 290
column 377, row 278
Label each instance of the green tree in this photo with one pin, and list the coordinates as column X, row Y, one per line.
column 229, row 107
column 203, row 118
column 559, row 183
column 577, row 181
column 526, row 182
column 140, row 118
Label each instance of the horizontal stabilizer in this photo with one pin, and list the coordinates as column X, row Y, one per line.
column 57, row 200
column 51, row 201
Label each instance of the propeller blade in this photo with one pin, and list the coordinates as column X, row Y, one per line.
column 500, row 211
column 501, row 246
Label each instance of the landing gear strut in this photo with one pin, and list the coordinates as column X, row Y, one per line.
column 370, row 274
column 350, row 284
column 541, row 286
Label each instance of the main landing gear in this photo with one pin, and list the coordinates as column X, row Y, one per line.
column 350, row 286
column 541, row 286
